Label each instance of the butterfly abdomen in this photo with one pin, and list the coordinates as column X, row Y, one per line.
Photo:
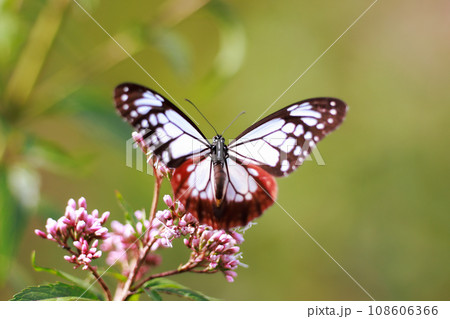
column 220, row 182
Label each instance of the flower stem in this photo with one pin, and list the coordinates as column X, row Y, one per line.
column 162, row 274
column 132, row 276
column 156, row 190
column 95, row 274
column 101, row 282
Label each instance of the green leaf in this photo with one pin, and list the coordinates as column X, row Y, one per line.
column 113, row 274
column 134, row 297
column 154, row 287
column 153, row 295
column 56, row 291
column 79, row 282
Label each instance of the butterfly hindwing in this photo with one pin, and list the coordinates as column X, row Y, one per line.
column 280, row 142
column 249, row 191
column 169, row 134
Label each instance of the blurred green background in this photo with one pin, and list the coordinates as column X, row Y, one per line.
column 380, row 205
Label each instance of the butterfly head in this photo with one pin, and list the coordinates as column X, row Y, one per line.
column 218, row 139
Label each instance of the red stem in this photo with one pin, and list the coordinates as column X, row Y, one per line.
column 96, row 275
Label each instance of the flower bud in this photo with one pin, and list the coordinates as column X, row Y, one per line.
column 40, row 233
column 72, row 204
column 168, row 200
column 82, row 202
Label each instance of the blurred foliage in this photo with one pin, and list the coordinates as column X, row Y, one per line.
column 28, row 42
column 380, row 205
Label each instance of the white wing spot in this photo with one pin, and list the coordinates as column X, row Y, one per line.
column 144, row 123
column 159, row 97
column 293, row 107
column 310, row 121
column 284, row 165
column 133, row 113
column 165, row 157
column 252, row 186
column 264, row 129
column 174, row 117
column 306, row 112
column 248, row 196
column 276, row 138
column 333, row 112
column 330, row 120
column 333, row 103
column 231, row 193
column 297, row 151
column 148, row 98
column 201, row 176
column 239, row 178
column 289, row 144
column 256, row 151
column 183, row 145
column 299, row 130
column 126, row 88
column 320, row 126
column 124, row 97
column 144, row 101
column 162, row 118
column 305, row 106
column 153, row 120
column 172, row 130
column 162, row 135
column 253, row 171
column 308, row 135
column 125, row 107
column 288, row 128
column 143, row 109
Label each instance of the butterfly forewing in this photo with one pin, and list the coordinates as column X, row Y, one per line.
column 280, row 142
column 169, row 134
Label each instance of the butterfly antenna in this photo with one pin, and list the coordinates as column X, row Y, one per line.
column 243, row 112
column 202, row 116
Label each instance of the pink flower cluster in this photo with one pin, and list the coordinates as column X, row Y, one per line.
column 125, row 241
column 132, row 245
column 213, row 250
column 85, row 253
column 82, row 228
column 174, row 222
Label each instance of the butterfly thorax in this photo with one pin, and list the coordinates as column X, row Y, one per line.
column 219, row 151
column 219, row 154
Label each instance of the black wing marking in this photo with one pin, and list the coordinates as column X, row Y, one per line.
column 168, row 132
column 280, row 142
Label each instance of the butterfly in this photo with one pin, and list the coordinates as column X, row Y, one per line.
column 222, row 185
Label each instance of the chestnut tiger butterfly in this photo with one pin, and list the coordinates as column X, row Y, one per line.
column 226, row 186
